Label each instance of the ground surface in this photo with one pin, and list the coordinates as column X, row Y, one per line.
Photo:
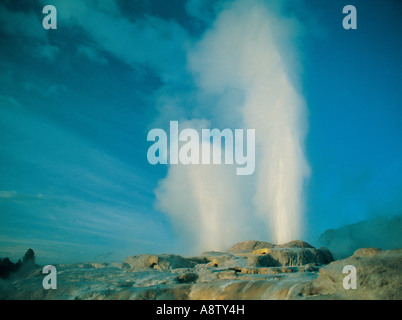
column 249, row 270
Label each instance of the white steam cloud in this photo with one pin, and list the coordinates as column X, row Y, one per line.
column 240, row 63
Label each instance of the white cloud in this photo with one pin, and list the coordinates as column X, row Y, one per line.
column 92, row 54
column 9, row 100
column 45, row 89
column 27, row 27
column 47, row 51
column 21, row 24
column 149, row 41
column 7, row 194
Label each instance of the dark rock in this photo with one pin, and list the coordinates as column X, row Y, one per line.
column 188, row 277
column 159, row 262
column 293, row 256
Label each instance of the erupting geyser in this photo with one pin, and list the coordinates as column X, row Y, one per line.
column 240, row 53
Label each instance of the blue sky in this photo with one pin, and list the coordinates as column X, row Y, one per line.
column 353, row 89
column 76, row 105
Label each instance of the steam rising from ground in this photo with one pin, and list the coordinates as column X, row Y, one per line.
column 239, row 63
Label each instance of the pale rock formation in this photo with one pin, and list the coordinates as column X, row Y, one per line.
column 252, row 270
column 249, row 246
column 378, row 276
column 160, row 262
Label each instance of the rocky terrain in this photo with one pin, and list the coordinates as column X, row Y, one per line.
column 249, row 270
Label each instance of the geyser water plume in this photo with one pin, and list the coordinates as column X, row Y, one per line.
column 241, row 53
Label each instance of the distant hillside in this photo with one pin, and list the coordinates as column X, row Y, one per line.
column 380, row 232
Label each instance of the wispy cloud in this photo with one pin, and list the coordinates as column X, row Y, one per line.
column 144, row 42
column 7, row 194
column 57, row 184
column 45, row 89
column 21, row 23
column 47, row 51
column 91, row 54
column 25, row 27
